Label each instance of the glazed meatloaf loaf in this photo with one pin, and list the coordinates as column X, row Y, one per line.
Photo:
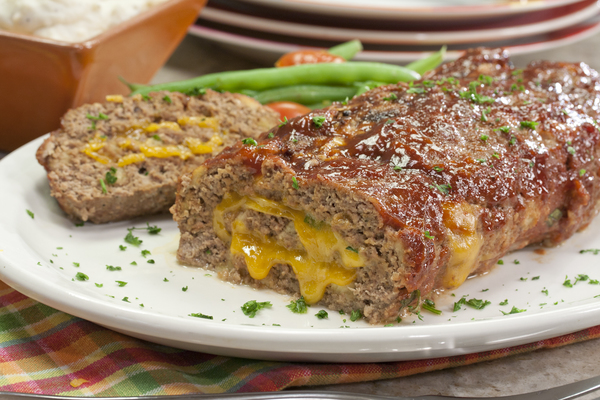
column 405, row 188
column 122, row 159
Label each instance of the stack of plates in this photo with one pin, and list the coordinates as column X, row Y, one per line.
column 395, row 31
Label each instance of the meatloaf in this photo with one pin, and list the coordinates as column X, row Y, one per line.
column 407, row 189
column 121, row 159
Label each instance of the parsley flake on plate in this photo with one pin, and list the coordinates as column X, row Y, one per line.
column 298, row 306
column 250, row 308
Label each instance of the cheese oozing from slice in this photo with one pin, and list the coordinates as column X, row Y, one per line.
column 325, row 257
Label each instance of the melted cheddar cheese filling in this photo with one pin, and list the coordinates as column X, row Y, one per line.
column 464, row 241
column 325, row 257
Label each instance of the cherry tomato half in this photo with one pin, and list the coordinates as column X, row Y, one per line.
column 288, row 109
column 307, row 57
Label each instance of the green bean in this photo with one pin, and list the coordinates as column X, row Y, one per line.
column 308, row 74
column 346, row 50
column 305, row 94
column 428, row 63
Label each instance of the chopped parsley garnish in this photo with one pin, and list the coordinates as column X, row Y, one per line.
column 567, row 282
column 397, row 168
column 99, row 284
column 156, row 137
column 512, row 141
column 581, row 277
column 429, row 305
column 444, row 188
column 134, row 240
column 318, row 120
column 535, row 278
column 80, row 276
column 122, row 248
column 523, row 279
column 184, row 289
column 167, row 99
column 250, row 308
column 475, row 97
column 571, row 150
column 102, row 185
column 427, row 235
column 76, row 264
column 594, row 282
column 298, row 306
column 200, row 315
column 438, row 169
column 477, row 304
column 529, row 124
column 322, row 314
column 517, row 262
column 500, row 262
column 145, row 253
column 350, row 248
column 30, row 213
column 417, row 90
column 391, row 97
column 593, row 251
column 165, row 280
column 121, row 283
column 485, row 79
column 514, row 310
column 582, row 172
column 112, row 268
column 503, row 303
column 389, row 121
column 145, row 97
column 484, row 138
column 355, row 315
column 295, row 183
column 545, row 291
column 504, row 129
column 282, row 122
column 249, row 142
column 207, row 251
column 133, row 263
column 150, row 261
column 126, row 299
column 271, row 135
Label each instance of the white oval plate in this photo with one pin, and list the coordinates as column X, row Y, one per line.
column 483, row 33
column 268, row 51
column 38, row 256
column 414, row 9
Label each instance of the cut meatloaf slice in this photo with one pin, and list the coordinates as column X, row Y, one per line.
column 405, row 190
column 122, row 159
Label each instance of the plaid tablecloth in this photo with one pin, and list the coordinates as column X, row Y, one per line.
column 43, row 350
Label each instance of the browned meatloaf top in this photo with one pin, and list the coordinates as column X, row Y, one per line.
column 475, row 131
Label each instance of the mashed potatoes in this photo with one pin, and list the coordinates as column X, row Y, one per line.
column 68, row 20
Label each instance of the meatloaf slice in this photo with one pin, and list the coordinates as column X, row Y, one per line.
column 405, row 190
column 122, row 159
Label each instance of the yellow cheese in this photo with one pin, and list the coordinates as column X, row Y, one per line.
column 91, row 149
column 166, row 151
column 315, row 265
column 464, row 242
column 153, row 127
column 114, row 98
column 130, row 159
column 202, row 122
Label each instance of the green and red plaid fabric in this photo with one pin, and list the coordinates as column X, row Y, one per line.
column 43, row 350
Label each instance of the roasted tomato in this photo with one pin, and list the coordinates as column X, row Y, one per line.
column 288, row 109
column 307, row 57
